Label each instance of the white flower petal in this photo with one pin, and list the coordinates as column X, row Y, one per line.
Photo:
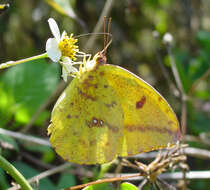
column 67, row 60
column 52, row 49
column 71, row 69
column 68, row 68
column 63, row 34
column 64, row 74
column 54, row 29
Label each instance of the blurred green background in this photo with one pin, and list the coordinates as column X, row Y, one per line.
column 138, row 28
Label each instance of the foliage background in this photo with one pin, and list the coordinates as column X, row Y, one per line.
column 26, row 87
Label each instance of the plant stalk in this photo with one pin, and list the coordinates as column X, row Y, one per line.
column 12, row 63
column 10, row 169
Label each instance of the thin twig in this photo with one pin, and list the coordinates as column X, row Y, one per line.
column 194, row 152
column 110, row 180
column 181, row 88
column 25, row 137
column 175, row 71
column 196, row 83
column 142, row 184
column 137, row 177
column 184, row 117
column 99, row 25
column 163, row 69
column 183, row 101
column 171, row 176
column 191, row 138
column 35, row 160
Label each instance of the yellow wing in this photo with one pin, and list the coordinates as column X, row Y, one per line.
column 87, row 121
column 149, row 122
column 110, row 112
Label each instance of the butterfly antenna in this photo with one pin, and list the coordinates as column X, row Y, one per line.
column 107, row 35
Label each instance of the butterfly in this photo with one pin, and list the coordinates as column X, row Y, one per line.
column 109, row 112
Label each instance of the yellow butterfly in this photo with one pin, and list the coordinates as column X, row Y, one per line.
column 109, row 112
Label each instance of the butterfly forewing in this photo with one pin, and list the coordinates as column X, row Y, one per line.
column 149, row 122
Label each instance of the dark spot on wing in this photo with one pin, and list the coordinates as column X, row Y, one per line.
column 88, row 83
column 142, row 128
column 90, row 77
column 141, row 102
column 170, row 122
column 101, row 73
column 107, row 144
column 68, row 116
column 75, row 133
column 99, row 123
column 95, row 122
column 105, row 86
column 92, row 142
column 85, row 95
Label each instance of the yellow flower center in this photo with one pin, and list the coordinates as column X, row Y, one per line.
column 68, row 47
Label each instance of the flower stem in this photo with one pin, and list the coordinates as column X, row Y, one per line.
column 9, row 168
column 12, row 63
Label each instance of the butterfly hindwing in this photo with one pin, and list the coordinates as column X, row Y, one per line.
column 87, row 121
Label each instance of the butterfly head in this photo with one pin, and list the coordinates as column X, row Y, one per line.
column 100, row 58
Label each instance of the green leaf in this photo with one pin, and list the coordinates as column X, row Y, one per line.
column 42, row 118
column 128, row 186
column 29, row 172
column 66, row 180
column 28, row 86
column 48, row 154
column 8, row 142
column 203, row 38
column 6, row 110
column 181, row 59
column 3, row 181
column 199, row 122
column 102, row 186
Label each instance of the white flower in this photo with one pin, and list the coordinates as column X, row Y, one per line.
column 60, row 46
column 62, row 49
column 52, row 45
